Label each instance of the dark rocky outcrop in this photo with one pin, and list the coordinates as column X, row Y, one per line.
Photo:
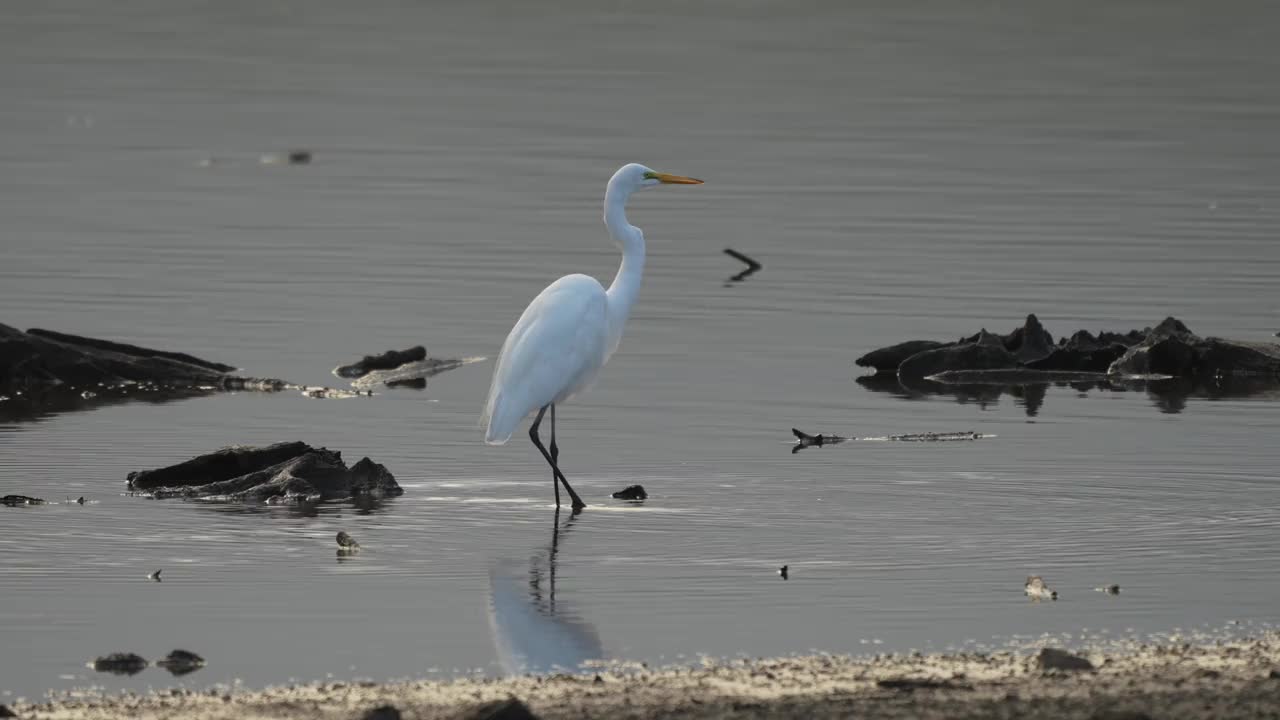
column 1028, row 354
column 280, row 473
column 1172, row 349
column 120, row 664
column 984, row 352
column 382, row 712
column 888, row 359
column 39, row 359
column 386, row 361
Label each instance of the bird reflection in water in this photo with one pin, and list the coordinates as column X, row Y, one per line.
column 533, row 631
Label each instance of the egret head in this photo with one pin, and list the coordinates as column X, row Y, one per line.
column 638, row 177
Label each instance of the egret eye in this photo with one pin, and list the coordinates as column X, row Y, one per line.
column 650, row 175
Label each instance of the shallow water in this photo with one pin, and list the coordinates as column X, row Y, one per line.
column 900, row 172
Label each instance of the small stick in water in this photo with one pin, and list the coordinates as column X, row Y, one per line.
column 806, row 440
column 752, row 265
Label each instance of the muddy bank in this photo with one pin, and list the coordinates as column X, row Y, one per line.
column 1229, row 680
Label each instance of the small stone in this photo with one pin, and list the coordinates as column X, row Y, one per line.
column 634, row 493
column 155, row 575
column 346, row 542
column 80, row 500
column 782, row 572
column 1055, row 659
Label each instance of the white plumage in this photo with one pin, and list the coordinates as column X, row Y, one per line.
column 554, row 352
column 568, row 332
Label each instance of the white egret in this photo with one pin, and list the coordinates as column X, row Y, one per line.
column 570, row 330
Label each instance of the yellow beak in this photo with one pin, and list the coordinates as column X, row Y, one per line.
column 669, row 179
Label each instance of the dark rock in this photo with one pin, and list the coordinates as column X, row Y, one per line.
column 346, row 542
column 982, row 353
column 120, row 664
column 784, row 572
column 1055, row 659
column 126, row 349
column 511, row 709
column 913, row 684
column 5, row 712
column 1169, row 348
column 42, row 358
column 17, row 500
column 1082, row 352
column 224, row 464
column 417, row 383
column 285, row 472
column 1172, row 349
column 61, row 371
column 181, row 662
column 299, row 157
column 887, row 360
column 373, row 479
column 383, row 712
column 631, row 492
column 386, row 361
column 1030, row 342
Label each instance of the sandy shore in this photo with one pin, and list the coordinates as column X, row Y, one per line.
column 1238, row 679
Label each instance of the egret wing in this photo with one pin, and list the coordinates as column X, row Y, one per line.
column 555, row 350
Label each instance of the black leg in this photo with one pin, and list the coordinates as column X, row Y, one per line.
column 555, row 451
column 555, row 469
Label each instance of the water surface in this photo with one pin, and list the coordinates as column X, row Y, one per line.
column 901, row 172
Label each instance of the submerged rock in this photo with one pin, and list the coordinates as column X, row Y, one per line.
column 386, row 361
column 398, row 369
column 181, row 662
column 888, row 359
column 18, row 500
column 1169, row 349
column 48, row 368
column 1172, row 349
column 280, row 473
column 982, row 353
column 631, row 492
column 120, row 664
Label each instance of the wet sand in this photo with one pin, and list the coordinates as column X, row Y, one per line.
column 1239, row 679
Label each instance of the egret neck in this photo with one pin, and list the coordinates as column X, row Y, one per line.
column 626, row 284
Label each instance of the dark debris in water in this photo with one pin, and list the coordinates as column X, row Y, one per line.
column 20, row 500
column 805, row 440
column 752, row 266
column 633, row 493
column 181, row 662
column 120, row 664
